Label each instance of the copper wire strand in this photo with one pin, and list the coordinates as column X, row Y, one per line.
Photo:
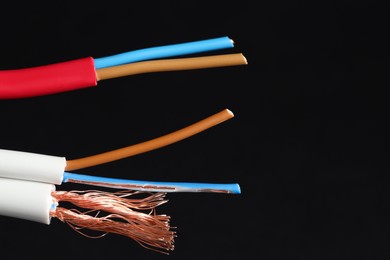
column 151, row 201
column 162, row 241
column 151, row 144
column 213, row 61
column 78, row 229
column 123, row 216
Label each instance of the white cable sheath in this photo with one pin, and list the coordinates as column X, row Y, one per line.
column 27, row 200
column 32, row 166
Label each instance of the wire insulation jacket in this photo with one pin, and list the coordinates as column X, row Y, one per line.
column 27, row 200
column 151, row 186
column 31, row 166
column 164, row 51
column 150, row 145
column 213, row 61
column 47, row 79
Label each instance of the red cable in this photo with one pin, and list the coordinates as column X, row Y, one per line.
column 48, row 79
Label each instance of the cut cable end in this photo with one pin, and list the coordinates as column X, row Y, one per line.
column 232, row 41
column 245, row 61
column 229, row 112
column 236, row 189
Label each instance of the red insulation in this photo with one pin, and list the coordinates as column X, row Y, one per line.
column 48, row 79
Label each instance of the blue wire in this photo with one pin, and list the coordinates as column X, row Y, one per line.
column 161, row 186
column 164, row 51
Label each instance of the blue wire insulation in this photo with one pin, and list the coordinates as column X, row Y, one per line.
column 164, row 51
column 151, row 186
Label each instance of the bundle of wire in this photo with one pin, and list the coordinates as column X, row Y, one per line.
column 86, row 72
column 28, row 191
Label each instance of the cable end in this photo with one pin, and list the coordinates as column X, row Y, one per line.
column 229, row 113
column 245, row 61
column 232, row 41
column 236, row 189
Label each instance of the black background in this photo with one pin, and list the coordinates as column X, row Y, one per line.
column 307, row 143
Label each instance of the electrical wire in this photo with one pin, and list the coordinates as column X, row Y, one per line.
column 214, row 61
column 92, row 213
column 150, row 186
column 165, row 51
column 30, row 179
column 50, row 169
column 86, row 72
column 55, row 170
column 118, row 213
column 150, row 145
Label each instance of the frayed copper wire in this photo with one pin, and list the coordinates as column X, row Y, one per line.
column 124, row 216
column 78, row 229
column 88, row 198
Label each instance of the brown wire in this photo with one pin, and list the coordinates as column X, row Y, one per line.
column 151, row 144
column 171, row 65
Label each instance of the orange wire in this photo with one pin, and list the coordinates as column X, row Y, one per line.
column 223, row 60
column 151, row 144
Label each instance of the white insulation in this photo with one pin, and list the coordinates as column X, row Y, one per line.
column 32, row 166
column 26, row 200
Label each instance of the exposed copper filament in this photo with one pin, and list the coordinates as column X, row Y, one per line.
column 88, row 198
column 124, row 216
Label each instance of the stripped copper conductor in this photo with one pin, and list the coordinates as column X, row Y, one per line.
column 134, row 218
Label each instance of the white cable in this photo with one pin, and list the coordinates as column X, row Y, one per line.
column 26, row 200
column 32, row 166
